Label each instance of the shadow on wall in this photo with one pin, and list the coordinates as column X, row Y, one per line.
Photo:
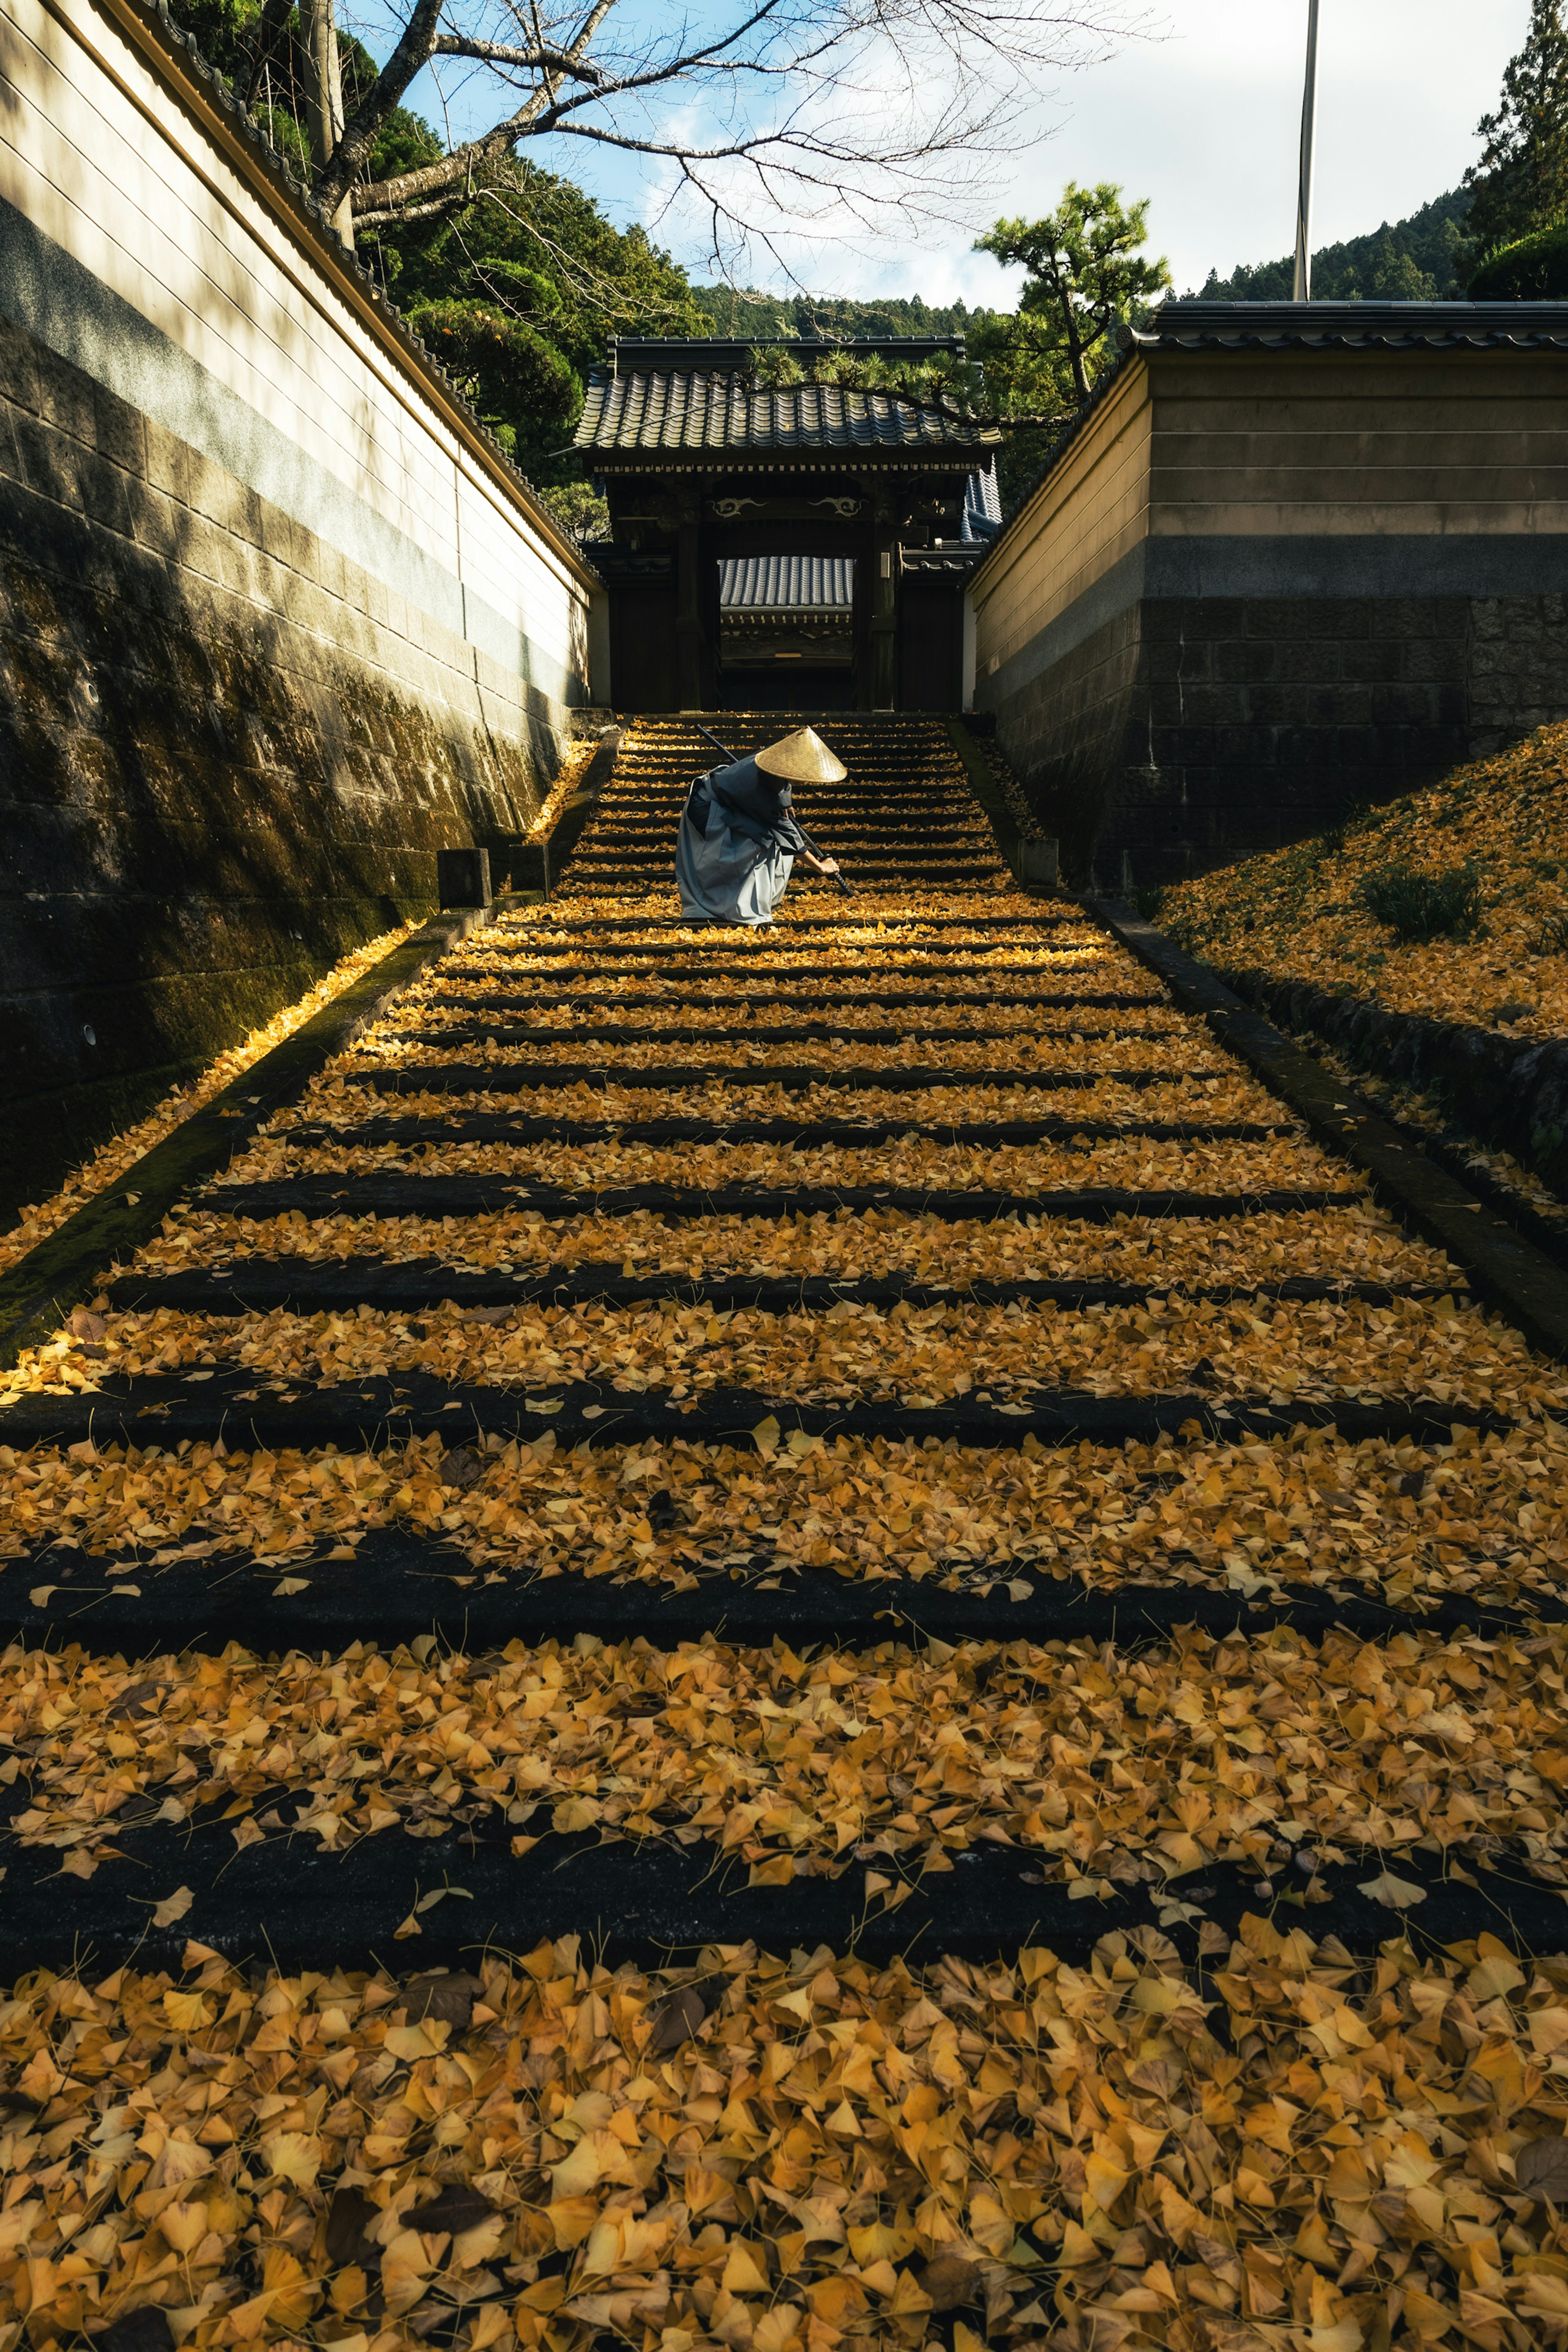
column 218, row 772
column 1186, row 734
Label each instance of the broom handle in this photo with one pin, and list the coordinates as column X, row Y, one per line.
column 839, row 879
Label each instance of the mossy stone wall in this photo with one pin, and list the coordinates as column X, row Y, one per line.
column 227, row 756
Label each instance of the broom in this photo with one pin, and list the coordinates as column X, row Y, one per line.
column 843, row 886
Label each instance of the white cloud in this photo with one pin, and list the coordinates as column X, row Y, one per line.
column 1207, row 123
column 1204, row 120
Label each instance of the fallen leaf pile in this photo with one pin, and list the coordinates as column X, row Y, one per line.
column 898, row 950
column 770, row 2153
column 1103, row 1769
column 1022, row 1170
column 1352, row 1244
column 592, row 980
column 1199, row 1103
column 1023, row 1051
column 1196, row 1100
column 1283, row 2149
column 920, row 1355
column 1298, row 913
column 430, row 1012
column 1410, row 1524
column 1286, row 1351
column 576, row 758
column 113, row 1160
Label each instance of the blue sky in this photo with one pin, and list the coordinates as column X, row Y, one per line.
column 1202, row 119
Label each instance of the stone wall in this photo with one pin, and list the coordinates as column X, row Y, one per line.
column 1142, row 749
column 276, row 625
column 1280, row 566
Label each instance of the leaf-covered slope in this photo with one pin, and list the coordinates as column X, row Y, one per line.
column 1485, row 852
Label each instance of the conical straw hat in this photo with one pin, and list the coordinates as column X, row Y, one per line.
column 801, row 757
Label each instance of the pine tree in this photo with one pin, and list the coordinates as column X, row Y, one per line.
column 1521, row 184
column 1086, row 270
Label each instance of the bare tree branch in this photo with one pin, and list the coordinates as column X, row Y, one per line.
column 863, row 111
column 540, row 59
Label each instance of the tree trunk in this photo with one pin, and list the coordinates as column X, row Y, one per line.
column 1075, row 348
column 325, row 97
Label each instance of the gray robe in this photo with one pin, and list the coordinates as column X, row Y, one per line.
column 736, row 846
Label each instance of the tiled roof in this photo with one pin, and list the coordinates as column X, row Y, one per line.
column 794, row 583
column 981, row 505
column 1354, row 326
column 684, row 412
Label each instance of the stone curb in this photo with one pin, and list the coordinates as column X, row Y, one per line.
column 1524, row 1285
column 1502, row 1089
column 64, row 1269
column 538, row 865
column 1017, row 852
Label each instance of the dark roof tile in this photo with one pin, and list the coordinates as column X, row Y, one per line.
column 1354, row 326
column 679, row 411
column 759, row 584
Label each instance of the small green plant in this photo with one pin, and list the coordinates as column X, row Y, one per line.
column 1552, row 939
column 1148, row 903
column 1330, row 842
column 1425, row 905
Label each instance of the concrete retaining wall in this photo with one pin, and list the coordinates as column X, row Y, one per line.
column 1259, row 585
column 277, row 621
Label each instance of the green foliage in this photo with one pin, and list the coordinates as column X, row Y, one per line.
column 223, row 31
column 1027, row 374
column 404, row 142
column 529, row 280
column 288, row 137
column 1521, row 184
column 529, row 290
column 1415, row 905
column 943, row 379
column 1148, row 903
column 1086, row 275
column 1413, row 261
column 227, row 32
column 516, row 291
column 508, row 372
column 747, row 314
column 578, row 507
column 1532, row 269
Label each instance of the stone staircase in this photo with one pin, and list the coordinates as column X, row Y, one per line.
column 904, row 816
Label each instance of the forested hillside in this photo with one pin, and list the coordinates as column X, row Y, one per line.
column 745, row 310
column 1411, row 261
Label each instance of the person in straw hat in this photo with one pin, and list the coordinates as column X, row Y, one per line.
column 738, row 841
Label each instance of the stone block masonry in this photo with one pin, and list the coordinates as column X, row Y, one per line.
column 218, row 772
column 1143, row 746
column 276, row 629
column 1292, row 558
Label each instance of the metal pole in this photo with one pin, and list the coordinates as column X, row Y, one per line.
column 1302, row 291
